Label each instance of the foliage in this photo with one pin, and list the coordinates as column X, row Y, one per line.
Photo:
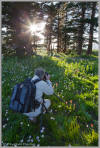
column 69, row 26
column 75, row 79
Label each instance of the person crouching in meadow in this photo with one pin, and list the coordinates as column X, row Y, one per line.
column 44, row 86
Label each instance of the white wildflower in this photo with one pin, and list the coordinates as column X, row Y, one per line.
column 6, row 113
column 21, row 140
column 59, row 106
column 43, row 128
column 37, row 137
column 4, row 125
column 41, row 131
column 42, row 136
column 87, row 126
column 21, row 123
column 30, row 137
column 28, row 140
column 28, row 125
column 38, row 140
column 32, row 140
column 52, row 118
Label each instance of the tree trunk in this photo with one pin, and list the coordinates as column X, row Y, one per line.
column 89, row 51
column 65, row 43
column 81, row 30
column 58, row 39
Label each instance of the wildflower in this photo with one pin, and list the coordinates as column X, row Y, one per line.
column 59, row 106
column 21, row 140
column 28, row 140
column 87, row 125
column 37, row 138
column 7, row 144
column 42, row 136
column 32, row 140
column 6, row 113
column 28, row 125
column 56, row 84
column 66, row 102
column 4, row 125
column 52, row 118
column 71, row 101
column 30, row 137
column 21, row 123
column 41, row 131
column 91, row 125
column 7, row 119
column 43, row 127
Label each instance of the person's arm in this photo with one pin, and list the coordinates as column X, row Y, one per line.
column 47, row 86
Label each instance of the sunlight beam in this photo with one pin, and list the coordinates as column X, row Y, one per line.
column 33, row 28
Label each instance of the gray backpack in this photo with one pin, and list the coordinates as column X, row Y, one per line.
column 23, row 96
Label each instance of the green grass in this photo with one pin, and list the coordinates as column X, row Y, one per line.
column 75, row 79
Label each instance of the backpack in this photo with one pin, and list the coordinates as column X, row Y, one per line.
column 23, row 96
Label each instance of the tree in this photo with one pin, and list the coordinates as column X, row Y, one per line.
column 81, row 28
column 50, row 11
column 17, row 16
column 92, row 24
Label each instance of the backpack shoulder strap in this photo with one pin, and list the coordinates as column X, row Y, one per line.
column 35, row 81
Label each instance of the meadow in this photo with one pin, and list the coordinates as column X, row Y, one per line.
column 75, row 80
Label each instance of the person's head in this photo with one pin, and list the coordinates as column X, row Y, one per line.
column 40, row 72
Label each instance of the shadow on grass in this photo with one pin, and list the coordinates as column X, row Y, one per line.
column 16, row 70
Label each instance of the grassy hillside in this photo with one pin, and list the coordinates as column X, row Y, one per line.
column 75, row 79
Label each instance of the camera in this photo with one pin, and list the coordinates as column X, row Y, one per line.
column 46, row 74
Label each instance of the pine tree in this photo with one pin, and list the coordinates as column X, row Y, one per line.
column 81, row 27
column 92, row 24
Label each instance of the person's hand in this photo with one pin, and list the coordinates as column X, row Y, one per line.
column 47, row 77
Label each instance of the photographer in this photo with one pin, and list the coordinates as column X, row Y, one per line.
column 44, row 86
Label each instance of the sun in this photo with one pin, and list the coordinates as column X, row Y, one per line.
column 39, row 27
column 33, row 28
